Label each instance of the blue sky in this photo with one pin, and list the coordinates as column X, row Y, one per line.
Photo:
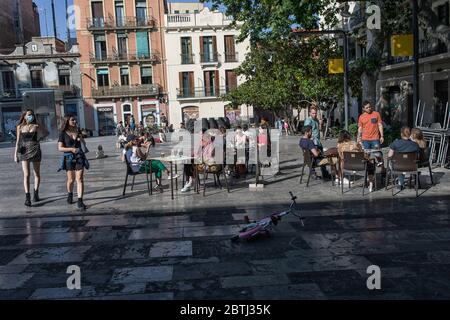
column 45, row 11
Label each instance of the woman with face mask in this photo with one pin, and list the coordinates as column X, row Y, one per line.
column 74, row 161
column 28, row 149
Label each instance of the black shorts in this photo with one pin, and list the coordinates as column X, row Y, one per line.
column 74, row 164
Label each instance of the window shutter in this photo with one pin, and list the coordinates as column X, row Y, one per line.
column 216, row 82
column 201, row 48
column 181, row 83
column 191, row 82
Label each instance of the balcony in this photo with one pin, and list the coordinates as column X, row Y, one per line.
column 126, row 91
column 9, row 94
column 197, row 20
column 427, row 48
column 231, row 57
column 202, row 92
column 209, row 58
column 152, row 57
column 187, row 58
column 126, row 23
column 68, row 90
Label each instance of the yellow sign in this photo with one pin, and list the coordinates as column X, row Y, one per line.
column 335, row 66
column 402, row 45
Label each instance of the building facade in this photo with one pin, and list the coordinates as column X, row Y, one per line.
column 202, row 54
column 42, row 76
column 122, row 62
column 21, row 20
column 394, row 84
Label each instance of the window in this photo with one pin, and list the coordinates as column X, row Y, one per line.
column 443, row 13
column 141, row 12
column 187, row 88
column 196, row 11
column 36, row 79
column 186, row 51
column 9, row 85
column 143, row 47
column 97, row 14
column 146, row 75
column 100, row 47
column 102, row 77
column 230, row 49
column 122, row 45
column 124, row 76
column 177, row 12
column 208, row 49
column 120, row 14
column 64, row 77
column 187, row 11
column 211, row 83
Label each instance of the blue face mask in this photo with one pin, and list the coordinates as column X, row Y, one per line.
column 30, row 118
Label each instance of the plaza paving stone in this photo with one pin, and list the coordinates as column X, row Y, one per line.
column 141, row 247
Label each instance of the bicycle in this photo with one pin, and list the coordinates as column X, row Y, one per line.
column 263, row 226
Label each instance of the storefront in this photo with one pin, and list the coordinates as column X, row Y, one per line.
column 105, row 120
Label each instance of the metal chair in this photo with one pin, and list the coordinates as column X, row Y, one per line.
column 205, row 170
column 403, row 163
column 308, row 161
column 354, row 162
column 424, row 162
column 130, row 172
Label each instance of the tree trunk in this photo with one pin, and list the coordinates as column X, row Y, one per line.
column 369, row 87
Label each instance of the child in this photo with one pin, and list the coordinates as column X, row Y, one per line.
column 100, row 154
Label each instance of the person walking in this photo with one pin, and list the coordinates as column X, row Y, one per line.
column 316, row 126
column 132, row 123
column 27, row 150
column 74, row 160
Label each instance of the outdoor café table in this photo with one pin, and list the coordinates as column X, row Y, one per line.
column 172, row 159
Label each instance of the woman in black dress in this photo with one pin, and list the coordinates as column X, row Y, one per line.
column 28, row 149
column 74, row 160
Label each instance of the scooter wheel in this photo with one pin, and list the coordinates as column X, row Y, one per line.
column 235, row 239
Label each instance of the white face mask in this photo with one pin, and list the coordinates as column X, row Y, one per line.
column 239, row 131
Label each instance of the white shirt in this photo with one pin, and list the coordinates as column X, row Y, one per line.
column 134, row 161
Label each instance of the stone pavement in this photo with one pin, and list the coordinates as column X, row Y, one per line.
column 141, row 247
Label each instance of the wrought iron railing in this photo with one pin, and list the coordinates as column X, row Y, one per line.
column 121, row 23
column 124, row 57
column 203, row 92
column 126, row 91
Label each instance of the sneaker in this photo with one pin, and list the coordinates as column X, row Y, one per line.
column 371, row 187
column 173, row 176
column 186, row 189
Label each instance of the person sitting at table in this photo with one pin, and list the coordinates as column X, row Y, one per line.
column 403, row 145
column 417, row 137
column 346, row 144
column 139, row 163
column 318, row 159
column 204, row 159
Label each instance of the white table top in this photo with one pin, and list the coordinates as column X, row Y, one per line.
column 171, row 158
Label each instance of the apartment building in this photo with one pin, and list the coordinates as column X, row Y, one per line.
column 20, row 21
column 394, row 84
column 43, row 76
column 202, row 54
column 122, row 61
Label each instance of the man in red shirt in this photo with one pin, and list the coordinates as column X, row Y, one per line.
column 370, row 128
